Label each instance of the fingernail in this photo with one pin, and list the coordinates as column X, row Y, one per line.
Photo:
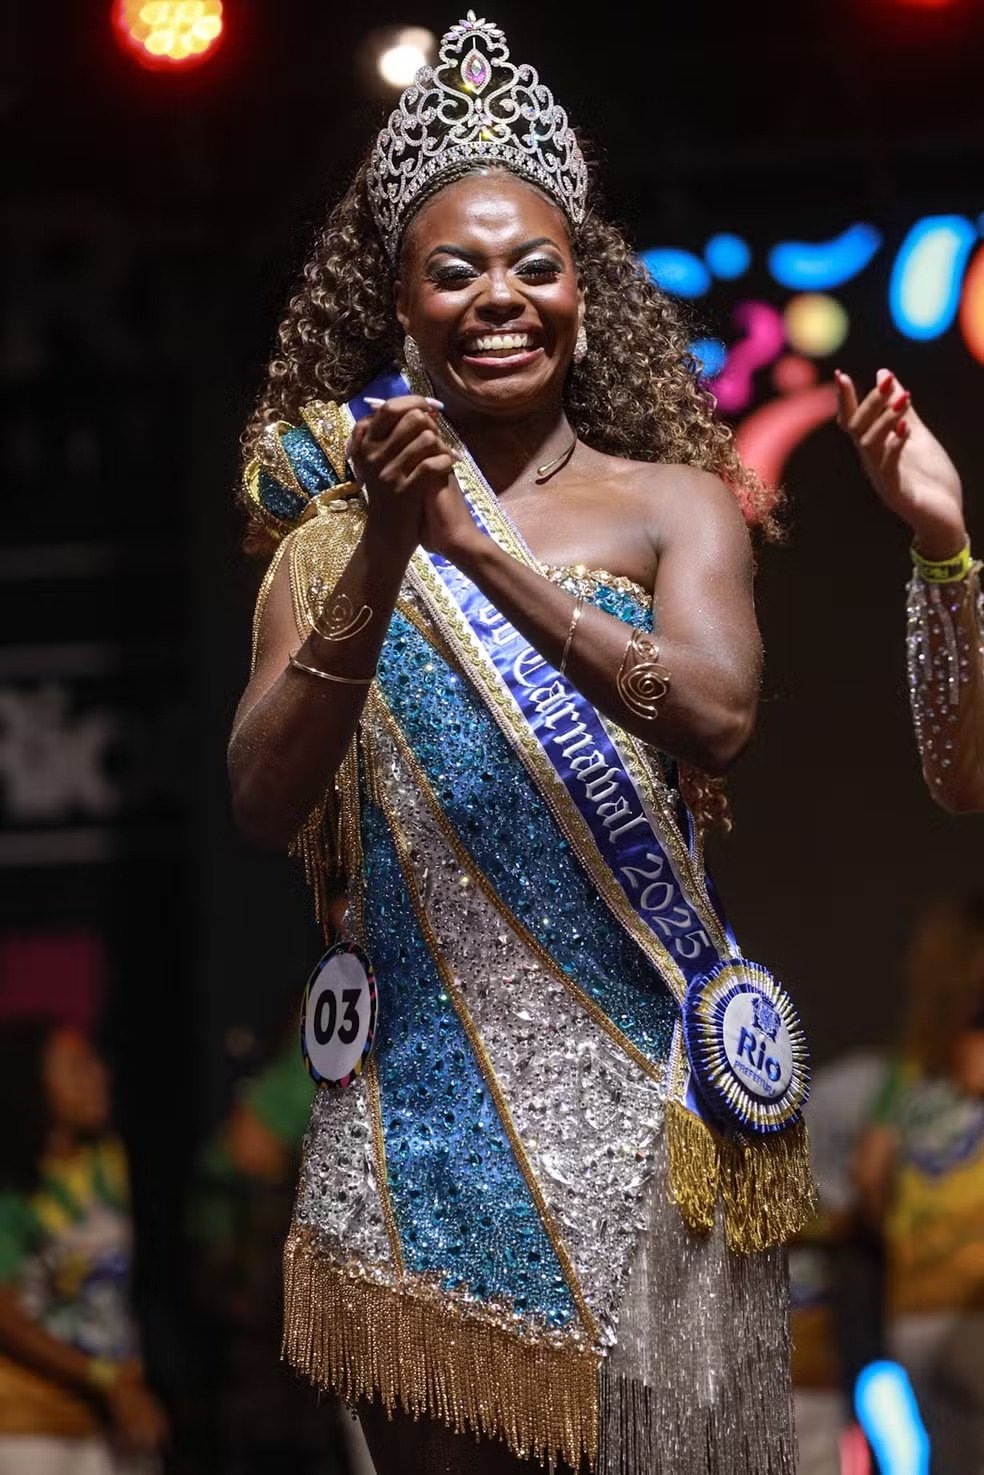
column 902, row 401
column 436, row 404
column 885, row 385
column 902, row 428
column 374, row 403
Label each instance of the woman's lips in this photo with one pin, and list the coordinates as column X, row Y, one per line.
column 500, row 352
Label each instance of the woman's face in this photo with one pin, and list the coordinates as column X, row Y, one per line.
column 489, row 291
column 76, row 1084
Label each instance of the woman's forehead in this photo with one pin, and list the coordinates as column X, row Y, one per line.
column 492, row 207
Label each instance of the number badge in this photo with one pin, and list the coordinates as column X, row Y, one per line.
column 338, row 1016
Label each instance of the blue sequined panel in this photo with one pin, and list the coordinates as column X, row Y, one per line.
column 500, row 817
column 461, row 1203
column 279, row 500
column 308, row 460
column 631, row 609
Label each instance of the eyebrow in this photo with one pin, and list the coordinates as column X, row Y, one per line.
column 449, row 249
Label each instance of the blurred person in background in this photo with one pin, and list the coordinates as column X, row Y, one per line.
column 73, row 1400
column 915, row 478
column 266, row 1420
column 920, row 1172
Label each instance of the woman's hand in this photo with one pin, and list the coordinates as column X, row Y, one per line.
column 447, row 526
column 905, row 463
column 399, row 457
column 137, row 1418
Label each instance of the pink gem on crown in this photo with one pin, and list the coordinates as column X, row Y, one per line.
column 442, row 124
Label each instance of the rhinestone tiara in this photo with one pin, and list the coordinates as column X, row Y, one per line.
column 474, row 107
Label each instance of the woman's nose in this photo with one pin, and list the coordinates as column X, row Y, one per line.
column 500, row 296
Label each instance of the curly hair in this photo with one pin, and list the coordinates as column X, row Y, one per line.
column 637, row 395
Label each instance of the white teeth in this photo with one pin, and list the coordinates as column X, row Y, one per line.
column 500, row 341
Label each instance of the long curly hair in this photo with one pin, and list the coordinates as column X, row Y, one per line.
column 636, row 395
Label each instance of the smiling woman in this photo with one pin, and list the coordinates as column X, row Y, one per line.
column 508, row 624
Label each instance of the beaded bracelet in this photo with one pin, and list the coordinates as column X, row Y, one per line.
column 943, row 571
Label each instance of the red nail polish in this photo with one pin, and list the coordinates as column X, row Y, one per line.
column 887, row 384
column 902, row 430
column 902, row 401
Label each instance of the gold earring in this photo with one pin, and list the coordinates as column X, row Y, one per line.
column 414, row 364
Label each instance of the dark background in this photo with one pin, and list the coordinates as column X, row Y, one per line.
column 152, row 226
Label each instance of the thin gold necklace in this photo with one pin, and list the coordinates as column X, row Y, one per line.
column 543, row 473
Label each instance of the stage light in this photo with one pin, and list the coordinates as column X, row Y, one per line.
column 815, row 324
column 889, row 1415
column 728, row 256
column 924, row 290
column 168, row 33
column 402, row 53
column 818, row 266
column 676, row 271
column 710, row 356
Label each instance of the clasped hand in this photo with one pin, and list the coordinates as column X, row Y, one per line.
column 407, row 469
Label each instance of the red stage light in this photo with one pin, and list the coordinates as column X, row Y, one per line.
column 167, row 34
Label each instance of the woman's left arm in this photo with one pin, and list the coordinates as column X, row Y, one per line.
column 704, row 621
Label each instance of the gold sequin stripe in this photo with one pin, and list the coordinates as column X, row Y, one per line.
column 488, row 1071
column 432, row 1352
column 382, row 1171
column 573, row 826
column 655, row 1071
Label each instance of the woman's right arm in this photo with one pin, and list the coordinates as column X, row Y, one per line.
column 915, row 478
column 293, row 729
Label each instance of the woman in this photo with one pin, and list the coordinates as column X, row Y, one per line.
column 916, row 480
column 920, row 1171
column 461, row 721
column 73, row 1400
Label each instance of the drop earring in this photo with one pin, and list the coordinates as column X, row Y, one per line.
column 580, row 345
column 414, row 364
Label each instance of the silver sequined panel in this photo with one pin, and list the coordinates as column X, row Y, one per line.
column 699, row 1380
column 587, row 1115
column 338, row 1195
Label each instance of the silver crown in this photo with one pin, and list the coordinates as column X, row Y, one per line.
column 474, row 107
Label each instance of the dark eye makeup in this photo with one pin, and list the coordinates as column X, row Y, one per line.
column 457, row 273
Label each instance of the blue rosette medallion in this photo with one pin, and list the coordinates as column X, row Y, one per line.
column 338, row 1015
column 747, row 1048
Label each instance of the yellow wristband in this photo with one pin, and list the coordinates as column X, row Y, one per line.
column 944, row 571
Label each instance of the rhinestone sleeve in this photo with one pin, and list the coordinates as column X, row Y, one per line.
column 945, row 653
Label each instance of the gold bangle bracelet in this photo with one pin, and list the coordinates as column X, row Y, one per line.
column 642, row 682
column 578, row 606
column 328, row 676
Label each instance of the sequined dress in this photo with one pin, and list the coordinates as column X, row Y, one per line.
column 945, row 651
column 484, row 1231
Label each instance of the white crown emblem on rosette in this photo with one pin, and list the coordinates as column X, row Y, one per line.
column 474, row 107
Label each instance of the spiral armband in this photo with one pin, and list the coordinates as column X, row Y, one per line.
column 642, row 682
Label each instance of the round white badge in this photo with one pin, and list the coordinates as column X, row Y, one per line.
column 746, row 1048
column 757, row 1045
column 338, row 1015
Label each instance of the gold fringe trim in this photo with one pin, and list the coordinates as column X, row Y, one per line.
column 766, row 1186
column 418, row 1348
column 694, row 1167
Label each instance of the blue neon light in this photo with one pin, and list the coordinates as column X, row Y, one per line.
column 728, row 256
column 710, row 355
column 887, row 1411
column 676, row 271
column 824, row 264
column 924, row 291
